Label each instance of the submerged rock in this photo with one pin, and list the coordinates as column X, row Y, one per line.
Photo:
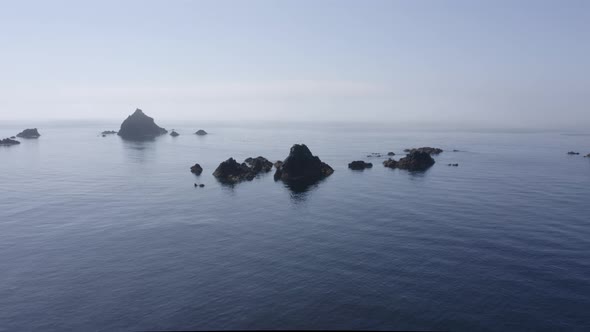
column 197, row 169
column 359, row 165
column 230, row 171
column 573, row 153
column 413, row 161
column 29, row 133
column 201, row 132
column 455, row 165
column 174, row 134
column 139, row 126
column 108, row 132
column 425, row 149
column 374, row 155
column 302, row 166
column 8, row 141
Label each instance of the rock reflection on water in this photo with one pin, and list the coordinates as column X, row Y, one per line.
column 140, row 151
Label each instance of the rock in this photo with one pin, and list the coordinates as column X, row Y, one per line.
column 201, row 132
column 390, row 154
column 587, row 156
column 278, row 164
column 197, row 169
column 426, row 149
column 413, row 161
column 201, row 185
column 390, row 163
column 139, row 126
column 8, row 142
column 12, row 137
column 573, row 153
column 230, row 171
column 108, row 132
column 359, row 165
column 174, row 134
column 259, row 164
column 301, row 166
column 29, row 133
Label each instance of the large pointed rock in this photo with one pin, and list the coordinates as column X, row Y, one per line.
column 29, row 133
column 139, row 126
column 302, row 166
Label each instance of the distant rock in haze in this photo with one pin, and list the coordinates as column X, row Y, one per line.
column 302, row 166
column 426, row 149
column 587, row 156
column 374, row 154
column 413, row 161
column 139, row 126
column 230, row 171
column 197, row 169
column 29, row 133
column 359, row 165
column 174, row 133
column 8, row 142
column 278, row 164
column 201, row 132
column 390, row 154
column 108, row 132
column 573, row 153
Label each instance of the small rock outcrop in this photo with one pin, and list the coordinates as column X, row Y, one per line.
column 108, row 132
column 573, row 153
column 8, row 141
column 413, row 161
column 587, row 156
column 201, row 132
column 139, row 126
column 425, row 149
column 390, row 154
column 196, row 169
column 29, row 133
column 454, row 165
column 374, row 155
column 230, row 171
column 302, row 166
column 174, row 133
column 358, row 165
column 278, row 164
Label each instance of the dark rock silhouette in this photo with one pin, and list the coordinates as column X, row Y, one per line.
column 390, row 154
column 426, row 149
column 201, row 185
column 359, row 165
column 413, row 161
column 455, row 165
column 573, row 153
column 587, row 156
column 259, row 164
column 108, row 132
column 139, row 126
column 201, row 132
column 197, row 169
column 278, row 164
column 390, row 163
column 8, row 141
column 29, row 133
column 301, row 166
column 12, row 137
column 174, row 133
column 230, row 171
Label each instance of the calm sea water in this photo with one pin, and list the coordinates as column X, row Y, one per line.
column 102, row 234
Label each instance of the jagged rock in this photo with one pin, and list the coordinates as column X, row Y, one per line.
column 390, row 163
column 390, row 154
column 455, row 150
column 573, row 153
column 12, row 137
column 103, row 135
column 139, row 126
column 259, row 164
column 197, row 169
column 201, row 132
column 174, row 133
column 8, row 141
column 108, row 132
column 302, row 166
column 426, row 149
column 230, row 171
column 29, row 133
column 359, row 165
column 201, row 185
column 278, row 164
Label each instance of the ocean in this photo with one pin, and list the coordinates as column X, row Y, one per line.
column 101, row 234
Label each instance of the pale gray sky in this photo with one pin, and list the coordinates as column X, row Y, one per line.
column 458, row 63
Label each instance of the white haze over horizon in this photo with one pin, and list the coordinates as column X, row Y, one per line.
column 455, row 64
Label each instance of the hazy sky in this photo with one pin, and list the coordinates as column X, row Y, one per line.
column 473, row 63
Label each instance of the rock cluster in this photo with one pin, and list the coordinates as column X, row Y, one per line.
column 230, row 171
column 29, row 133
column 302, row 166
column 573, row 153
column 196, row 169
column 8, row 141
column 374, row 154
column 139, row 126
column 414, row 161
column 390, row 154
column 426, row 149
column 201, row 132
column 359, row 165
